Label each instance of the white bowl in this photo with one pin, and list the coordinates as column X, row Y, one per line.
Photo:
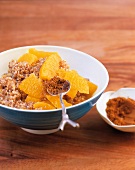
column 47, row 121
column 101, row 106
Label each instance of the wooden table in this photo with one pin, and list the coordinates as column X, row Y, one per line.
column 104, row 29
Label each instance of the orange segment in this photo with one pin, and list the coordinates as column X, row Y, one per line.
column 55, row 100
column 72, row 92
column 92, row 88
column 30, row 58
column 49, row 67
column 77, row 82
column 61, row 73
column 31, row 99
column 32, row 86
column 43, row 105
column 40, row 54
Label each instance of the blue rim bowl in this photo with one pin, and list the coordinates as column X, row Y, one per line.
column 86, row 65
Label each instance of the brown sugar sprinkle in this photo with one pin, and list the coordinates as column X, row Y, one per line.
column 121, row 111
column 57, row 85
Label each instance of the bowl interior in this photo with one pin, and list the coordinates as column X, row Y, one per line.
column 84, row 64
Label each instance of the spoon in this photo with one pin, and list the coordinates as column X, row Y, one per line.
column 61, row 90
column 101, row 106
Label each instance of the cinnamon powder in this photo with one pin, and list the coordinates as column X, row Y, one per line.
column 121, row 111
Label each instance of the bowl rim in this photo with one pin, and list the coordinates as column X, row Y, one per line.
column 66, row 48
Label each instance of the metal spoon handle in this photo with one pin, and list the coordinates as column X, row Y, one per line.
column 65, row 117
column 63, row 105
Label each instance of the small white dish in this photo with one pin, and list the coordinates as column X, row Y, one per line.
column 101, row 106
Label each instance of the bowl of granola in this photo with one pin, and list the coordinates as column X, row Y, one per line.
column 27, row 72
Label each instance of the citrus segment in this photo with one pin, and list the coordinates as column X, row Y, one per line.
column 49, row 67
column 40, row 54
column 77, row 82
column 55, row 100
column 31, row 99
column 43, row 105
column 32, row 86
column 92, row 88
column 30, row 58
column 61, row 73
column 72, row 92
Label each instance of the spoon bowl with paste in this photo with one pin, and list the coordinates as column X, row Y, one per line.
column 60, row 87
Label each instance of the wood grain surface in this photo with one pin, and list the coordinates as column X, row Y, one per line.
column 104, row 29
